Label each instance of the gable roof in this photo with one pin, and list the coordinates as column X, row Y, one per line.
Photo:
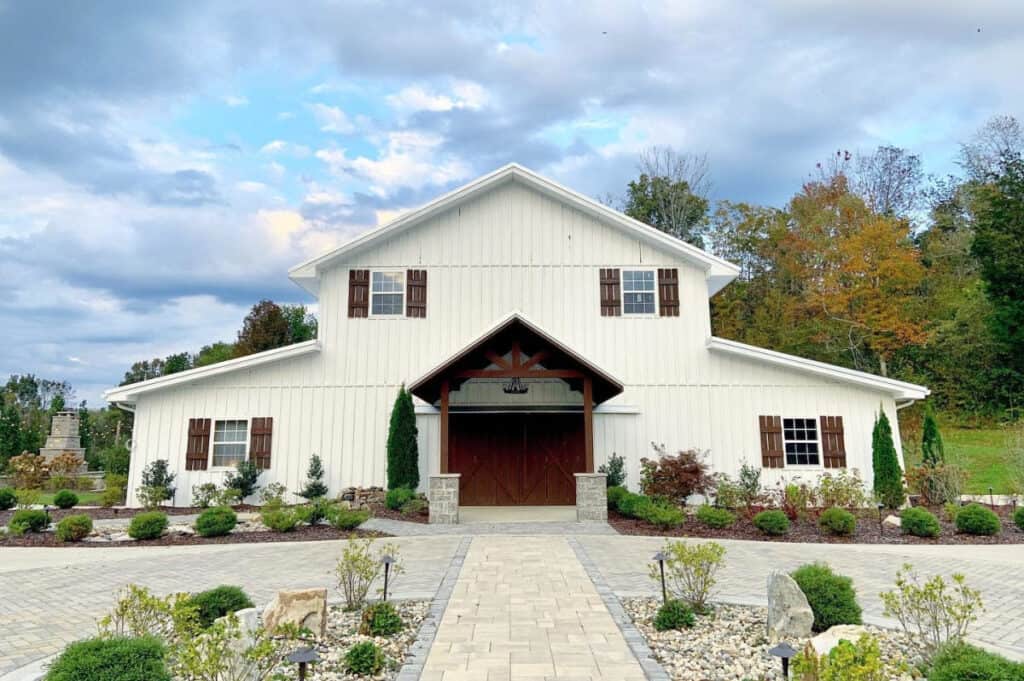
column 898, row 389
column 719, row 272
column 129, row 393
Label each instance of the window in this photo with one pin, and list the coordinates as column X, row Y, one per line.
column 638, row 292
column 801, row 440
column 387, row 294
column 230, row 441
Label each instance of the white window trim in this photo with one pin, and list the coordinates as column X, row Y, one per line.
column 817, row 440
column 213, row 444
column 622, row 293
column 404, row 293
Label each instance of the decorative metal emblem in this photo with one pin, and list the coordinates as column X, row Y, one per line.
column 515, row 387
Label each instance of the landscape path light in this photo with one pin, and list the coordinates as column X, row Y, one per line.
column 784, row 651
column 881, row 528
column 303, row 657
column 661, row 558
column 388, row 562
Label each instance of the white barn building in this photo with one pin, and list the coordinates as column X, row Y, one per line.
column 507, row 284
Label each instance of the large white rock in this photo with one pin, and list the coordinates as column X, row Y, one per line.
column 304, row 608
column 827, row 640
column 893, row 521
column 789, row 614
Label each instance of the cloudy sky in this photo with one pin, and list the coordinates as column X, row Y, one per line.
column 163, row 164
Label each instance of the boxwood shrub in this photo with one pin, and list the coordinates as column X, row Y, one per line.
column 615, row 493
column 831, row 596
column 218, row 602
column 28, row 520
column 111, row 659
column 773, row 522
column 976, row 519
column 919, row 522
column 280, row 519
column 838, row 522
column 397, row 497
column 629, row 504
column 8, row 499
column 65, row 499
column 148, row 525
column 380, row 619
column 216, row 522
column 74, row 528
column 718, row 518
column 962, row 662
column 674, row 614
column 365, row 659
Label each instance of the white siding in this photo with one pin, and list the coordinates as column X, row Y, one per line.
column 512, row 249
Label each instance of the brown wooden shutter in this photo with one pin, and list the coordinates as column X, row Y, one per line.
column 261, row 433
column 611, row 293
column 772, row 453
column 358, row 293
column 833, row 442
column 668, row 292
column 197, row 455
column 416, row 293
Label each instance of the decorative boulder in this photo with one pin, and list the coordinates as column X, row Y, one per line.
column 248, row 624
column 789, row 614
column 305, row 608
column 893, row 521
column 827, row 640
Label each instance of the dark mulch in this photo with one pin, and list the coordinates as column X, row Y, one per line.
column 110, row 513
column 301, row 533
column 382, row 511
column 807, row 530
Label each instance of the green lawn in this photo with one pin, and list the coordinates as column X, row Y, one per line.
column 984, row 453
column 84, row 498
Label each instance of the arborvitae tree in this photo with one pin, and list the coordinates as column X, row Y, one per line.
column 10, row 432
column 888, row 476
column 403, row 453
column 315, row 487
column 933, row 452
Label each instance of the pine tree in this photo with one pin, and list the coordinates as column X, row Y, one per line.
column 403, row 453
column 10, row 432
column 888, row 478
column 315, row 487
column 933, row 452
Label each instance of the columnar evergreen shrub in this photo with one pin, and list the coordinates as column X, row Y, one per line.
column 216, row 522
column 149, row 525
column 978, row 520
column 919, row 522
column 837, row 521
column 65, row 499
column 403, row 452
column 774, row 522
column 74, row 528
column 933, row 452
column 314, row 487
column 111, row 659
column 888, row 480
column 831, row 596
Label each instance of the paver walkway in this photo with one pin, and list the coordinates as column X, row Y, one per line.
column 524, row 609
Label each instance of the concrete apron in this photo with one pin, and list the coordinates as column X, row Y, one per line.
column 517, row 514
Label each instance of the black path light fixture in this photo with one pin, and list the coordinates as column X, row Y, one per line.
column 991, row 499
column 303, row 657
column 783, row 651
column 388, row 562
column 881, row 527
column 661, row 558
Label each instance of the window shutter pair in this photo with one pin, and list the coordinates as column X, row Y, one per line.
column 415, row 293
column 197, row 453
column 668, row 292
column 833, row 442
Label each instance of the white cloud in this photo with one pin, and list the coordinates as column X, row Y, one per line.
column 250, row 186
column 273, row 147
column 235, row 101
column 463, row 95
column 283, row 147
column 332, row 119
column 285, row 116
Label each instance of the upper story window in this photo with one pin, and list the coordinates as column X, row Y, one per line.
column 638, row 292
column 800, row 437
column 230, row 442
column 387, row 294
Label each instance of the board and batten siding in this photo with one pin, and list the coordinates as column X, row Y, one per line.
column 510, row 249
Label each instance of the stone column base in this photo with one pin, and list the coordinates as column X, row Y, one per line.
column 591, row 498
column 443, row 496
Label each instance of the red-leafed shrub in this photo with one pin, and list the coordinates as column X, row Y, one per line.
column 675, row 477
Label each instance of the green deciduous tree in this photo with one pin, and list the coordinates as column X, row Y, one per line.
column 888, row 478
column 214, row 353
column 403, row 453
column 302, row 326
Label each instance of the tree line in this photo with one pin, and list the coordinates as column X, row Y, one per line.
column 871, row 264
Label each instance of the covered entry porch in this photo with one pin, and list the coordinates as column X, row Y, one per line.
column 516, row 411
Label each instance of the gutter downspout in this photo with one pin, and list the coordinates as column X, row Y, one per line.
column 124, row 406
column 898, row 404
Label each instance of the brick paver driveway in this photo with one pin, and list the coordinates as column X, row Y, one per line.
column 49, row 597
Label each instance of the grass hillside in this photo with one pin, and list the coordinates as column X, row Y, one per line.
column 986, row 453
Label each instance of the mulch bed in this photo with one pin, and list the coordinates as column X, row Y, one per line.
column 301, row 533
column 807, row 530
column 382, row 511
column 97, row 513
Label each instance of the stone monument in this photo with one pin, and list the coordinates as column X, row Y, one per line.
column 63, row 437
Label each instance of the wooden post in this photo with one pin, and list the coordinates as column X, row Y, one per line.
column 588, row 422
column 444, row 426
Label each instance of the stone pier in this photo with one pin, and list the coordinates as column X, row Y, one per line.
column 591, row 498
column 443, row 495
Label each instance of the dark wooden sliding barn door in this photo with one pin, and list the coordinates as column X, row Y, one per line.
column 517, row 459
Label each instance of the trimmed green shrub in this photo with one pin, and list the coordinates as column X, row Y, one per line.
column 148, row 525
column 675, row 614
column 280, row 519
column 112, row 496
column 963, row 662
column 8, row 499
column 888, row 482
column 313, row 512
column 245, row 479
column 398, row 497
column 976, row 519
column 28, row 520
column 831, row 596
column 218, row 602
column 629, row 504
column 403, row 451
column 774, row 523
column 380, row 619
column 65, row 499
column 1018, row 518
column 614, row 471
column 615, row 493
column 346, row 518
column 314, row 487
column 111, row 659
column 837, row 521
column 364, row 658
column 919, row 522
column 74, row 528
column 662, row 516
column 718, row 518
column 216, row 522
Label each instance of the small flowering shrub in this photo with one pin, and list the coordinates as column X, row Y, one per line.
column 935, row 610
column 359, row 566
column 690, row 571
